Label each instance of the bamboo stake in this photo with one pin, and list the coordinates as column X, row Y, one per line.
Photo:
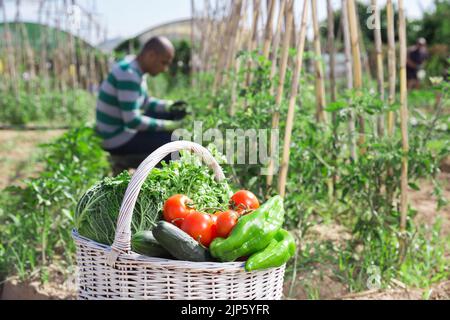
column 193, row 61
column 332, row 62
column 234, row 37
column 279, row 95
column 237, row 65
column 253, row 39
column 403, row 122
column 213, row 25
column 276, row 44
column 362, row 45
column 331, row 52
column 12, row 72
column 222, row 57
column 349, row 76
column 269, row 28
column 29, row 54
column 356, row 53
column 391, row 97
column 380, row 72
column 320, row 87
column 44, row 42
column 391, row 64
column 71, row 54
column 291, row 109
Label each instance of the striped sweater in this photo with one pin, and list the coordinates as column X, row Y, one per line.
column 121, row 102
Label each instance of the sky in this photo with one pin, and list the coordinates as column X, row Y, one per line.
column 120, row 18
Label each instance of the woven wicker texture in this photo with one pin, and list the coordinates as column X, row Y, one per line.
column 118, row 273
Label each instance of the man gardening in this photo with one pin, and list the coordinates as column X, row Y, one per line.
column 129, row 121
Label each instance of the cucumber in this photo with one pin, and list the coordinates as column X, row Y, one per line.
column 179, row 244
column 144, row 242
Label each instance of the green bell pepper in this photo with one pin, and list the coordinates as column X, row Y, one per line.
column 277, row 253
column 252, row 233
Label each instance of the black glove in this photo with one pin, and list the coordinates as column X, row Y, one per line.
column 178, row 109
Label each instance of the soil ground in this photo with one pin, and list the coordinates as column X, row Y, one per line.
column 19, row 149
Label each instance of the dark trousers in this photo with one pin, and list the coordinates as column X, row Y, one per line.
column 145, row 142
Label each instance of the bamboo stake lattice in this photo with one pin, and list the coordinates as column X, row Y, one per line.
column 404, row 126
column 291, row 109
column 380, row 72
column 320, row 86
column 349, row 77
column 279, row 96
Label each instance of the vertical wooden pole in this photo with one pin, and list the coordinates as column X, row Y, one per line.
column 332, row 62
column 349, row 77
column 222, row 56
column 44, row 42
column 234, row 35
column 391, row 98
column 391, row 63
column 291, row 109
column 237, row 64
column 357, row 69
column 279, row 94
column 320, row 86
column 253, row 39
column 268, row 34
column 276, row 44
column 331, row 52
column 403, row 121
column 193, row 57
column 11, row 61
column 380, row 71
column 29, row 54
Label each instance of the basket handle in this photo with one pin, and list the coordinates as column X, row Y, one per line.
column 123, row 230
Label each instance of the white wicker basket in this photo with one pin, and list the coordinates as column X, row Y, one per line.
column 115, row 272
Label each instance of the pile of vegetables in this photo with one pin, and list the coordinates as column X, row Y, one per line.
column 183, row 213
column 98, row 209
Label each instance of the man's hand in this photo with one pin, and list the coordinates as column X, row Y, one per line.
column 178, row 109
column 171, row 125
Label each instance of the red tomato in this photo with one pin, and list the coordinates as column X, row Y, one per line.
column 176, row 208
column 200, row 226
column 225, row 222
column 244, row 200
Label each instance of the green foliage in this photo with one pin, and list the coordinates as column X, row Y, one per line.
column 36, row 220
column 48, row 107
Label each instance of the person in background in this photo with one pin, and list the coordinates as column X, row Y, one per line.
column 129, row 121
column 416, row 56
